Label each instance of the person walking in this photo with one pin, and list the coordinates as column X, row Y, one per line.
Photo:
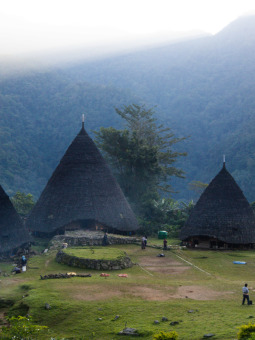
column 245, row 294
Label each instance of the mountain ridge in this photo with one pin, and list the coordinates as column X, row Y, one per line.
column 202, row 88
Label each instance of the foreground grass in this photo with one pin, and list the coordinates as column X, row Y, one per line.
column 85, row 308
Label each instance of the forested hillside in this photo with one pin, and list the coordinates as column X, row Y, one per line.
column 202, row 88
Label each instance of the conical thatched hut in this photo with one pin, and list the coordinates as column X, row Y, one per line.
column 13, row 234
column 82, row 193
column 222, row 217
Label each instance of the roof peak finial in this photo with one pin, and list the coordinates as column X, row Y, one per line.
column 224, row 161
column 83, row 119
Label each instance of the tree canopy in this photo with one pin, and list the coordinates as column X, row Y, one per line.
column 23, row 203
column 140, row 155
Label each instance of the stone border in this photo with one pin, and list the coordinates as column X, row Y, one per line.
column 74, row 261
column 88, row 238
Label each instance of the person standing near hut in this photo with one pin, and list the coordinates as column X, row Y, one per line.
column 165, row 244
column 143, row 244
column 24, row 263
column 105, row 240
column 245, row 294
column 145, row 240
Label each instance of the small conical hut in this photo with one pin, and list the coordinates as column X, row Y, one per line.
column 82, row 193
column 13, row 234
column 222, row 217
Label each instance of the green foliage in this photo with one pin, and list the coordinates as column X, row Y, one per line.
column 141, row 155
column 166, row 214
column 23, row 203
column 246, row 331
column 166, row 336
column 21, row 328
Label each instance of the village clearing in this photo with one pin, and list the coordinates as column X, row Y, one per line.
column 199, row 291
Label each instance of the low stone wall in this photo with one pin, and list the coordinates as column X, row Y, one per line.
column 74, row 261
column 89, row 238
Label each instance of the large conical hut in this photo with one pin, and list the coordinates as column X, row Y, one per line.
column 82, row 194
column 222, row 217
column 13, row 234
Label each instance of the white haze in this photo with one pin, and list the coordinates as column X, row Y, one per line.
column 64, row 29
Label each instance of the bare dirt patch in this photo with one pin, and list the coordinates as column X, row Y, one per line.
column 158, row 261
column 169, row 270
column 150, row 293
column 163, row 265
column 95, row 292
column 198, row 293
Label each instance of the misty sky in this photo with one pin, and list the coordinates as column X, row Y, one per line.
column 38, row 25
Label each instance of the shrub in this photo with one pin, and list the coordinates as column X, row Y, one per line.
column 166, row 336
column 246, row 332
column 21, row 328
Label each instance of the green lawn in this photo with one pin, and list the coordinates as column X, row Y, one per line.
column 95, row 253
column 155, row 288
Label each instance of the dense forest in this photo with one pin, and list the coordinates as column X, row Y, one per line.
column 201, row 88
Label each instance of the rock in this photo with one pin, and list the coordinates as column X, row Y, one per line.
column 47, row 306
column 210, row 335
column 191, row 311
column 173, row 323
column 156, row 322
column 129, row 331
column 164, row 318
column 99, row 319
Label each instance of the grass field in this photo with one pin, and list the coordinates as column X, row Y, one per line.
column 203, row 298
column 95, row 253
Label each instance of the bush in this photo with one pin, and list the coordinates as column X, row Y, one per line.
column 21, row 328
column 166, row 336
column 246, row 332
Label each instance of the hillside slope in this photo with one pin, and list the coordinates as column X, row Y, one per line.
column 203, row 88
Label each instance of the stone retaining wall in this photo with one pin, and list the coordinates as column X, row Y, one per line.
column 74, row 261
column 89, row 238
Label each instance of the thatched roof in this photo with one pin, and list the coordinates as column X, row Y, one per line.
column 82, row 188
column 12, row 232
column 222, row 212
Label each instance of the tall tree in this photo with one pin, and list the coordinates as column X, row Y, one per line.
column 141, row 155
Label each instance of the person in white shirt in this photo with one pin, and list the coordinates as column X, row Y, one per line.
column 245, row 294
